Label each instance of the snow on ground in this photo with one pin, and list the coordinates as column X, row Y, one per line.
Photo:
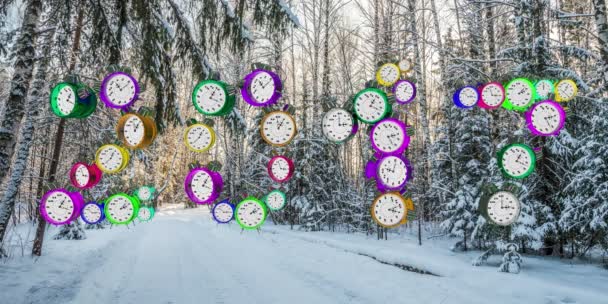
column 184, row 257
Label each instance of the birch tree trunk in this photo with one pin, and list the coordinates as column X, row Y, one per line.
column 599, row 15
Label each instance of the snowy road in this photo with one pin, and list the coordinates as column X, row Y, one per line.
column 183, row 257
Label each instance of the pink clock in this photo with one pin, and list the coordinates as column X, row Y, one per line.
column 84, row 176
column 491, row 95
column 280, row 168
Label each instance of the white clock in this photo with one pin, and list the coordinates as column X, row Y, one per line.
column 202, row 185
column 503, row 208
column 278, row 128
column 66, row 100
column 389, row 210
column 339, row 125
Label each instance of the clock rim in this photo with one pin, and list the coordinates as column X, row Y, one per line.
column 101, row 209
column 134, row 201
column 77, row 201
column 290, row 166
column 406, row 138
column 211, row 131
column 295, row 128
column 562, row 120
column 379, row 78
column 224, row 107
column 107, row 101
column 377, row 199
column 247, row 82
column 500, row 156
column 507, row 103
column 125, row 158
column 258, row 201
column 384, row 97
column 354, row 130
column 482, row 104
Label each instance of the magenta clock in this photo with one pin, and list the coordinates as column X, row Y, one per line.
column 280, row 168
column 389, row 136
column 60, row 207
column 85, row 176
column 119, row 90
column 261, row 88
column 391, row 172
column 492, row 95
column 203, row 186
column 546, row 118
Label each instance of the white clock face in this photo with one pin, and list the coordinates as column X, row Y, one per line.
column 199, row 137
column 82, row 175
column 404, row 91
column 110, row 158
column 516, row 161
column 389, row 209
column 66, row 100
column 544, row 88
column 59, row 207
column 370, row 106
column 250, row 213
column 405, row 65
column 492, row 95
column 546, row 118
column 144, row 214
column 275, row 200
column 120, row 209
column 503, row 208
column 520, row 93
column 392, row 171
column 144, row 193
column 278, row 128
column 338, row 125
column 566, row 90
column 120, row 89
column 280, row 168
column 468, row 96
column 262, row 87
column 388, row 136
column 210, row 98
column 389, row 73
column 92, row 213
column 202, row 185
column 223, row 212
column 134, row 130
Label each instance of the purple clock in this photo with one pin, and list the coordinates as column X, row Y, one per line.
column 203, row 186
column 60, row 207
column 92, row 213
column 261, row 88
column 404, row 91
column 391, row 172
column 119, row 90
column 389, row 137
column 546, row 118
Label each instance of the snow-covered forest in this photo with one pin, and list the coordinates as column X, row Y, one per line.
column 325, row 52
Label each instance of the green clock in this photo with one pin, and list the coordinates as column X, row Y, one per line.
column 145, row 214
column 544, row 89
column 72, row 101
column 520, row 94
column 371, row 105
column 213, row 98
column 516, row 160
column 144, row 193
column 276, row 200
column 121, row 208
column 251, row 213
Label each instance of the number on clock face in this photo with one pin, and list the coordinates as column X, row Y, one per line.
column 338, row 125
column 120, row 89
column 392, row 171
column 278, row 128
column 389, row 73
column 280, row 168
column 546, row 118
column 199, row 137
column 202, row 185
column 389, row 209
column 66, row 100
column 517, row 161
column 492, row 95
column 223, row 212
column 134, row 130
column 250, row 213
column 404, row 92
column 110, row 158
column 144, row 214
column 262, row 87
column 468, row 96
column 210, row 97
column 59, row 206
column 503, row 208
column 370, row 106
column 275, row 200
column 388, row 136
column 405, row 65
column 120, row 209
column 92, row 213
column 520, row 93
column 82, row 175
column 544, row 88
column 566, row 89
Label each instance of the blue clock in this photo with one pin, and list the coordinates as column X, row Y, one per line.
column 223, row 212
column 92, row 213
column 466, row 97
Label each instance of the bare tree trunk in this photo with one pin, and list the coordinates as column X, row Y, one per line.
column 601, row 24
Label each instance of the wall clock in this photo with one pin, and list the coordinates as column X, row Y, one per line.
column 371, row 105
column 516, row 160
column 119, row 90
column 492, row 95
column 261, row 88
column 500, row 207
column 405, row 65
column 565, row 90
column 280, row 168
column 144, row 193
column 199, row 137
column 60, row 207
column 92, row 213
column 339, row 125
column 250, row 213
column 466, row 97
column 388, row 74
column 388, row 210
column 390, row 172
column 404, row 91
column 136, row 131
column 389, row 136
column 276, row 200
column 544, row 89
column 121, row 208
column 84, row 176
column 213, row 98
column 66, row 101
column 203, row 186
column 278, row 128
column 223, row 212
column 546, row 118
column 520, row 95
column 145, row 214
column 111, row 158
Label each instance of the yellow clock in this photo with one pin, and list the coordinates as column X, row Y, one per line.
column 388, row 74
column 199, row 137
column 136, row 131
column 278, row 128
column 111, row 158
column 389, row 209
column 411, row 214
column 565, row 90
